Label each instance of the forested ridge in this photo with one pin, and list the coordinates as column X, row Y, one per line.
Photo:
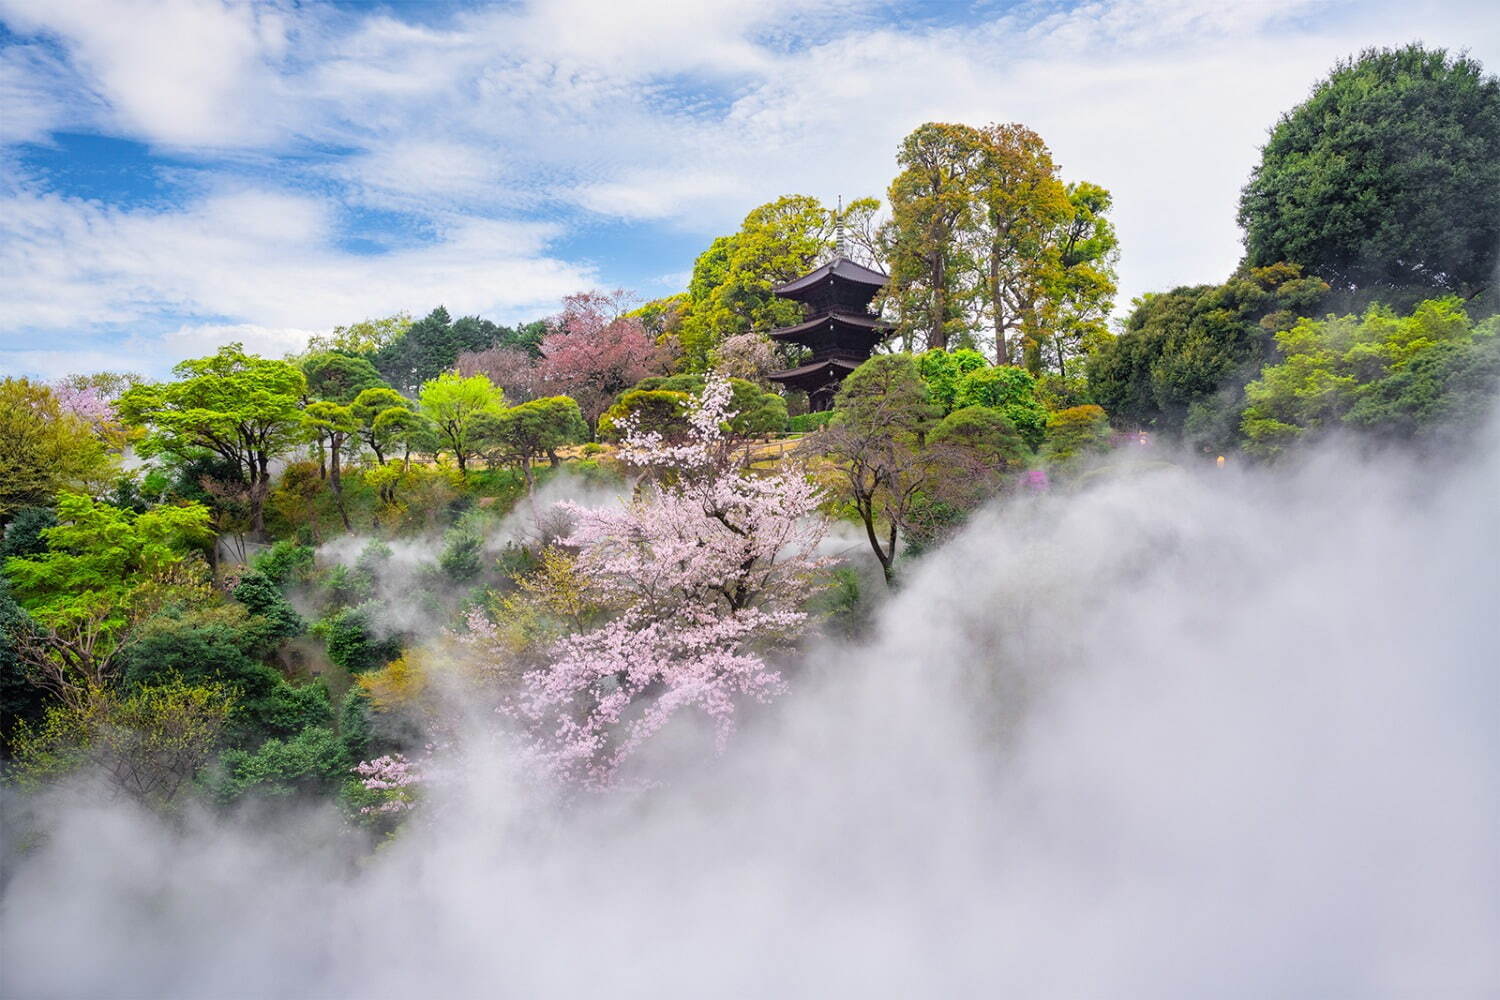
column 291, row 580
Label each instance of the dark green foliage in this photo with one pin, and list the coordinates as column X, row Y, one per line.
column 356, row 728
column 352, row 641
column 262, row 597
column 757, row 411
column 1386, row 178
column 346, row 586
column 21, row 701
column 284, row 562
column 462, row 558
column 311, row 762
column 983, row 433
column 658, row 411
column 219, row 649
column 1197, row 346
column 338, row 378
column 1061, row 392
column 433, row 343
column 23, row 535
column 841, row 603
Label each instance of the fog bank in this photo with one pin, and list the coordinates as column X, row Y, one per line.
column 1190, row 732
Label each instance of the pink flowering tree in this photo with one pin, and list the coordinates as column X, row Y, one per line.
column 595, row 352
column 705, row 574
column 393, row 780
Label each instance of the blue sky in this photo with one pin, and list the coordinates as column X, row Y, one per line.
column 179, row 173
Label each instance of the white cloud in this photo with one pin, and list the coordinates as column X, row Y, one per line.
column 181, row 72
column 672, row 114
column 262, row 258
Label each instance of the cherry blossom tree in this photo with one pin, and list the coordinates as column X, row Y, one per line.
column 704, row 574
column 595, row 351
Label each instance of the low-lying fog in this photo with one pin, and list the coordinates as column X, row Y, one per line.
column 1189, row 733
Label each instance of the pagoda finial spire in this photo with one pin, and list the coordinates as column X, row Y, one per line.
column 838, row 230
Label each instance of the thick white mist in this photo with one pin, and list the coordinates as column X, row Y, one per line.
column 1184, row 734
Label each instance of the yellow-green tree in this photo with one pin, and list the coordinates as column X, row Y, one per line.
column 43, row 448
column 453, row 404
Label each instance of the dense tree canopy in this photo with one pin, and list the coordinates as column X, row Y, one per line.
column 240, row 407
column 1182, row 361
column 1386, row 178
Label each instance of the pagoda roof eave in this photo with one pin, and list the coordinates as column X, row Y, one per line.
column 813, row 368
column 864, row 323
column 838, row 269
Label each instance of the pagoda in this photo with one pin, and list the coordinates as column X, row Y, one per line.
column 840, row 330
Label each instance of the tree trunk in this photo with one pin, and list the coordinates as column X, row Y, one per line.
column 260, row 485
column 937, row 336
column 336, row 481
column 867, row 515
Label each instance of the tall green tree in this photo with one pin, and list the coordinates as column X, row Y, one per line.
column 1386, row 178
column 1020, row 204
column 367, row 408
column 932, row 208
column 367, row 337
column 242, row 408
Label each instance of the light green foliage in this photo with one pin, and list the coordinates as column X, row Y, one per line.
column 1079, row 281
column 1077, row 431
column 369, row 406
column 364, row 338
column 1397, row 374
column 97, row 555
column 1386, row 179
column 43, row 449
column 148, row 744
column 1012, row 391
column 453, row 403
column 244, row 409
column 985, row 435
column 942, row 370
column 314, row 761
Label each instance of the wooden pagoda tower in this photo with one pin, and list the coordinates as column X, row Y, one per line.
column 840, row 330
